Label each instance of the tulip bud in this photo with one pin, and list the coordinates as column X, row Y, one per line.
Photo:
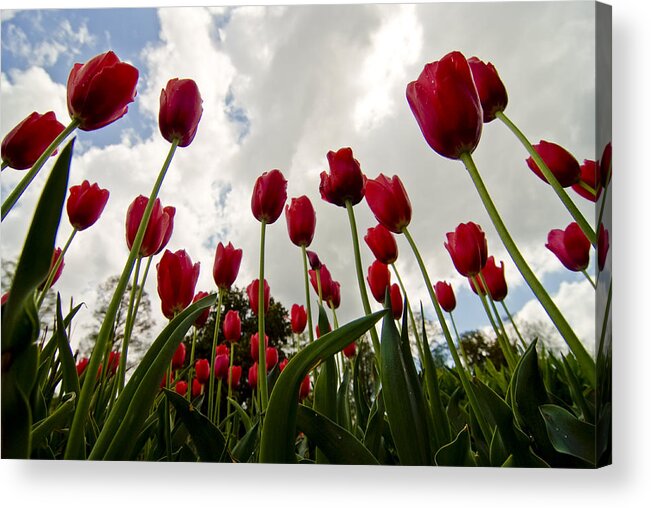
column 304, row 390
column 378, row 279
column 232, row 326
column 202, row 319
column 113, row 362
column 298, row 318
column 571, row 247
column 181, row 388
column 25, row 143
column 179, row 357
column 335, row 294
column 326, row 282
column 252, row 292
column 495, row 280
column 602, row 246
column 301, row 221
column 283, row 364
column 85, row 204
column 591, row 177
column 269, row 196
column 222, row 349
column 350, row 350
column 253, row 375
column 255, row 344
column 234, row 375
column 226, row 265
column 202, row 370
column 388, row 200
column 197, row 388
column 81, row 366
column 468, row 248
column 445, row 296
column 159, row 228
column 221, row 366
column 177, row 279
column 180, row 111
column 55, row 259
column 396, row 301
column 560, row 162
column 271, row 357
column 491, row 90
column 100, row 90
column 605, row 165
column 345, row 181
column 312, row 257
column 382, row 244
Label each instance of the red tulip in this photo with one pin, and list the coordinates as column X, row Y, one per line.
column 378, row 279
column 350, row 350
column 252, row 292
column 255, row 344
column 226, row 265
column 269, row 196
column 234, row 375
column 55, row 258
column 202, row 371
column 571, row 247
column 81, row 366
column 222, row 349
column 301, row 221
column 113, row 362
column 100, row 90
column 396, row 301
column 179, row 357
column 177, row 278
column 335, row 294
column 298, row 318
column 382, row 244
column 221, row 366
column 315, row 262
column 446, row 105
column 159, row 229
column 345, row 181
column 164, row 381
column 271, row 357
column 25, row 143
column 253, row 375
column 304, row 390
column 85, row 204
column 202, row 319
column 495, row 280
column 283, row 364
column 5, row 297
column 560, row 162
column 326, row 282
column 491, row 90
column 468, row 248
column 197, row 388
column 603, row 245
column 605, row 163
column 181, row 388
column 590, row 176
column 232, row 326
column 180, row 111
column 388, row 200
column 445, row 296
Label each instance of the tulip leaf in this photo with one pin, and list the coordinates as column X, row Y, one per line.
column 279, row 429
column 339, row 445
column 56, row 421
column 343, row 406
column 242, row 414
column 375, row 426
column 244, row 450
column 568, row 434
column 70, row 378
column 458, row 452
column 361, row 400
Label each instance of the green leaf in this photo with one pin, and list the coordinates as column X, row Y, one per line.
column 361, row 400
column 279, row 429
column 458, row 452
column 70, row 378
column 343, row 407
column 375, row 426
column 242, row 414
column 339, row 445
column 244, row 450
column 568, row 434
column 56, row 421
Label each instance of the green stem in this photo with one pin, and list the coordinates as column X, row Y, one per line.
column 551, row 179
column 603, row 205
column 191, row 366
column 15, row 194
column 585, row 186
column 506, row 309
column 587, row 276
column 230, row 392
column 318, row 286
column 75, row 446
column 507, row 341
column 213, row 350
column 463, row 375
column 463, row 351
column 166, row 424
column 127, row 327
column 334, row 315
column 4, row 166
column 53, row 270
column 604, row 324
column 307, row 295
column 262, row 358
column 575, row 345
column 419, row 344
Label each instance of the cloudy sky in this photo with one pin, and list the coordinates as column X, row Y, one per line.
column 281, row 87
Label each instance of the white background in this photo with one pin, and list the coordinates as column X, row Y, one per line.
column 626, row 483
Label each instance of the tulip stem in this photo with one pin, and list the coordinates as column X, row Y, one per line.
column 463, row 375
column 603, row 205
column 515, row 327
column 213, row 350
column 489, row 297
column 52, row 273
column 307, row 295
column 229, row 380
column 460, row 345
column 15, row 194
column 75, row 446
column 4, row 166
column 421, row 351
column 575, row 345
column 551, row 179
column 191, row 366
column 587, row 187
column 262, row 351
column 127, row 326
column 587, row 276
column 319, row 288
column 360, row 281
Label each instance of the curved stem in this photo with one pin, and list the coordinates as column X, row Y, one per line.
column 307, row 295
column 53, row 270
column 127, row 327
column 587, row 276
column 262, row 358
column 515, row 327
column 575, row 345
column 213, row 349
column 15, row 194
column 419, row 344
column 551, row 179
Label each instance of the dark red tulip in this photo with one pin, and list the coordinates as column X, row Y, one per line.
column 298, row 318
column 378, row 279
column 85, row 204
column 271, row 357
column 255, row 344
column 603, row 244
column 445, row 296
column 446, row 105
column 222, row 349
column 177, row 279
column 283, row 364
column 55, row 258
column 315, row 262
column 113, row 362
column 345, row 181
column 396, row 301
column 301, row 221
column 491, row 90
column 560, row 162
column 269, row 196
column 180, row 111
column 605, row 163
column 326, row 282
column 252, row 292
column 221, row 366
column 202, row 371
column 335, row 294
column 197, row 388
column 590, row 175
column 226, row 265
column 234, row 375
column 304, row 390
column 25, row 143
column 495, row 280
column 350, row 350
column 571, row 247
column 181, row 388
column 159, row 229
column 232, row 326
column 179, row 357
column 468, row 248
column 253, row 375
column 5, row 297
column 100, row 90
column 382, row 244
column 81, row 366
column 201, row 321
column 388, row 200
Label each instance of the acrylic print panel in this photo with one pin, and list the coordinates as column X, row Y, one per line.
column 424, row 191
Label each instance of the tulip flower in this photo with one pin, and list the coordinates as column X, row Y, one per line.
column 197, row 388
column 445, row 296
column 447, row 107
column 253, row 375
column 491, row 90
column 232, row 326
column 271, row 357
column 269, row 196
column 181, row 388
column 388, row 200
column 301, row 221
column 254, row 345
column 180, row 111
column 226, row 265
column 202, row 370
column 222, row 349
column 603, row 245
column 605, row 164
column 304, row 390
column 85, row 204
column 202, row 319
column 55, row 259
column 25, row 143
column 350, row 350
column 221, row 366
column 571, row 247
column 177, row 278
column 234, row 375
column 283, row 364
column 159, row 229
column 113, row 362
column 315, row 262
column 494, row 277
column 590, row 176
column 252, row 292
column 179, row 357
column 345, row 181
column 326, row 282
column 100, row 90
column 298, row 318
column 560, row 162
column 81, row 366
column 396, row 301
column 335, row 295
column 378, row 279
column 382, row 244
column 468, row 248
